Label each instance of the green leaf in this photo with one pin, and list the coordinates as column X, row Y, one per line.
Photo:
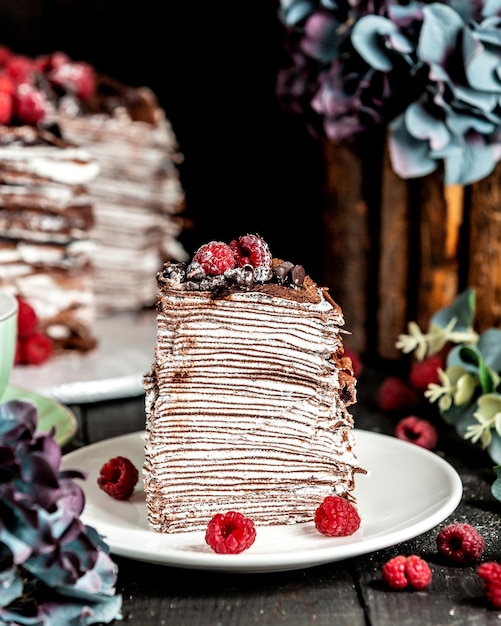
column 461, row 416
column 462, row 309
column 496, row 485
column 489, row 345
column 471, row 359
column 494, row 448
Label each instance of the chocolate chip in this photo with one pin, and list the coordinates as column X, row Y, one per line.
column 281, row 271
column 297, row 275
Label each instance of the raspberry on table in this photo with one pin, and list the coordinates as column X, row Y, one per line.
column 336, row 517
column 396, row 395
column 215, row 258
column 118, row 477
column 460, row 543
column 401, row 572
column 230, row 533
column 416, row 430
column 490, row 574
column 424, row 372
column 251, row 250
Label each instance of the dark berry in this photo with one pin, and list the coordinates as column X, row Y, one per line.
column 336, row 517
column 118, row 477
column 460, row 543
column 230, row 533
column 416, row 430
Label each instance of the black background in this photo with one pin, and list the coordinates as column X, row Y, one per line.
column 248, row 165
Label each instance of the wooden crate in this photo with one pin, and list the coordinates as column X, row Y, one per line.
column 398, row 250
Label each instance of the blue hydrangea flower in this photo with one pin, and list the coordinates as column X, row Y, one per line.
column 429, row 71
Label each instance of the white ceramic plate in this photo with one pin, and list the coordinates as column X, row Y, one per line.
column 409, row 490
column 114, row 369
column 50, row 413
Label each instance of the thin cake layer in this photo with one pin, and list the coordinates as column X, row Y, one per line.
column 246, row 406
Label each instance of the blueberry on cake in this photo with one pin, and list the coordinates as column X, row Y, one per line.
column 247, row 396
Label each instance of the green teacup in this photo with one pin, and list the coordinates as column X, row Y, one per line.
column 8, row 337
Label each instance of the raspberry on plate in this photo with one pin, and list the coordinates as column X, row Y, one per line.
column 490, row 574
column 118, row 477
column 460, row 543
column 416, row 430
column 27, row 319
column 230, row 533
column 35, row 348
column 336, row 517
column 401, row 572
column 215, row 258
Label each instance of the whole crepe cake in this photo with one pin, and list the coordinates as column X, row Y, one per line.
column 246, row 400
column 89, row 182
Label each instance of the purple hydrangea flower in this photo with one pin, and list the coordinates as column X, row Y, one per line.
column 53, row 568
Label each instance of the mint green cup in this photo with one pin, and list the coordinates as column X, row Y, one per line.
column 8, row 337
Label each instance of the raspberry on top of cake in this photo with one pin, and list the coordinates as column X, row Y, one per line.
column 246, row 400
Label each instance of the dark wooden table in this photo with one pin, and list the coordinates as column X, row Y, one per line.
column 345, row 592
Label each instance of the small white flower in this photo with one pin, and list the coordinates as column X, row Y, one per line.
column 456, row 385
column 488, row 416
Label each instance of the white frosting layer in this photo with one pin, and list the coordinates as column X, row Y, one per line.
column 71, row 166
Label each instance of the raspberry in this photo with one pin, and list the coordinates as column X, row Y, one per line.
column 7, row 84
column 118, row 477
column 490, row 574
column 31, row 104
column 36, row 348
column 396, row 395
column 251, row 250
column 215, row 257
column 356, row 361
column 76, row 77
column 27, row 320
column 460, row 543
column 425, row 372
column 230, row 533
column 401, row 572
column 19, row 68
column 6, row 107
column 336, row 517
column 418, row 431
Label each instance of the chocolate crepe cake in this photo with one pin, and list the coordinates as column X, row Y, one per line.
column 45, row 221
column 246, row 400
column 126, row 215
